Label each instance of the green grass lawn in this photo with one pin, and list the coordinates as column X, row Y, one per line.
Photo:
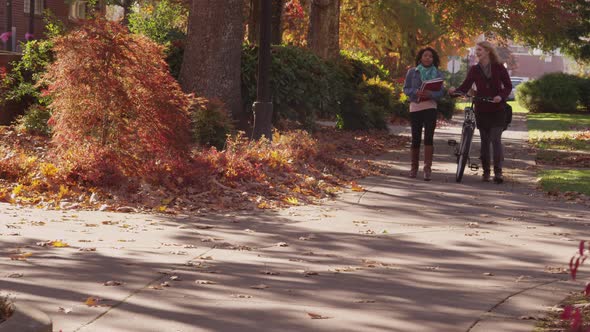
column 554, row 136
column 556, row 131
column 566, row 180
column 516, row 108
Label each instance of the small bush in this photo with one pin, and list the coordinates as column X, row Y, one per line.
column 211, row 123
column 357, row 114
column 584, row 91
column 21, row 83
column 446, row 106
column 361, row 66
column 385, row 94
column 552, row 93
column 34, row 121
column 116, row 111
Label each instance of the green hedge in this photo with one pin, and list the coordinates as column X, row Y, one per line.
column 353, row 88
column 553, row 93
column 584, row 91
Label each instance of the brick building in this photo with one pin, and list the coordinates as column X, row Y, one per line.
column 21, row 17
column 534, row 63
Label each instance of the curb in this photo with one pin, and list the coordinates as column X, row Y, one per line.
column 520, row 311
column 27, row 319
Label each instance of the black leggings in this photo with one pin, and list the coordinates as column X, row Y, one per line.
column 426, row 119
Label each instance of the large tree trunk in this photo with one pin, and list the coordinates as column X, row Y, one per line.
column 324, row 23
column 212, row 59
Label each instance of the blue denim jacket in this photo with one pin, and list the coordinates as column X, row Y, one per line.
column 413, row 83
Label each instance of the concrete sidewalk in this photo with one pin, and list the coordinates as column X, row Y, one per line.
column 405, row 255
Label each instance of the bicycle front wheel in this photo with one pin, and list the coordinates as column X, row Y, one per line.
column 463, row 153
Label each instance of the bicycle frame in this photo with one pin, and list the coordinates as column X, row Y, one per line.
column 462, row 152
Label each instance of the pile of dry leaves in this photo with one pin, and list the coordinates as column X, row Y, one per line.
column 296, row 168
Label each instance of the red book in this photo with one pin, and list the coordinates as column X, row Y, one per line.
column 431, row 85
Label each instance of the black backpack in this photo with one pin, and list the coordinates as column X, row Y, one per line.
column 507, row 115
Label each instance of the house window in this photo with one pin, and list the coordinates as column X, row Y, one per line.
column 78, row 10
column 38, row 7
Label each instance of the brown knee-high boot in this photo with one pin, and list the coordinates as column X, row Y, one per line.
column 415, row 162
column 428, row 153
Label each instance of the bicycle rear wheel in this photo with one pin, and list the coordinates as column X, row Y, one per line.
column 463, row 153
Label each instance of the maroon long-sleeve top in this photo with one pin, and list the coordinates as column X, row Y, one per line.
column 498, row 85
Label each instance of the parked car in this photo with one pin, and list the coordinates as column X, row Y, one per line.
column 515, row 82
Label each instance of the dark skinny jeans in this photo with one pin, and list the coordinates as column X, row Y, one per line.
column 423, row 119
column 493, row 137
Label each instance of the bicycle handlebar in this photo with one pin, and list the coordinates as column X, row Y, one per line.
column 484, row 99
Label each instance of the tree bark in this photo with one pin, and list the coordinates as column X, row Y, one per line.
column 324, row 30
column 211, row 65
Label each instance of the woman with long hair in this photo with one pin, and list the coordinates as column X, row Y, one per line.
column 423, row 104
column 491, row 81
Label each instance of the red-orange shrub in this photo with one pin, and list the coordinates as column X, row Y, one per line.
column 117, row 112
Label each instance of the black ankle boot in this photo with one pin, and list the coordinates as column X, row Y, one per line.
column 498, row 177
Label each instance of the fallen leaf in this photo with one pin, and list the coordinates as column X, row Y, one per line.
column 203, row 227
column 310, row 273
column 365, row 301
column 282, row 244
column 292, row 200
column 21, row 257
column 113, row 283
column 317, row 316
column 205, row 282
column 65, row 310
column 271, row 273
column 109, row 222
column 260, row 286
column 92, row 301
column 355, row 187
column 345, row 269
column 488, row 274
column 87, row 249
column 175, row 278
column 242, row 296
column 59, row 244
column 15, row 275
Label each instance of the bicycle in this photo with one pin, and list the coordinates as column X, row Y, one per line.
column 462, row 152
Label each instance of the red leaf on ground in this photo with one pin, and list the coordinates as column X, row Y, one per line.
column 567, row 312
column 582, row 248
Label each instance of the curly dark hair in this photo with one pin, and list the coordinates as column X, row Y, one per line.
column 435, row 58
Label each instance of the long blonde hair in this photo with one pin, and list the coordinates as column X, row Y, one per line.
column 494, row 58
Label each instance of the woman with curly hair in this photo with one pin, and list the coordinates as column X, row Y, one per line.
column 423, row 106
